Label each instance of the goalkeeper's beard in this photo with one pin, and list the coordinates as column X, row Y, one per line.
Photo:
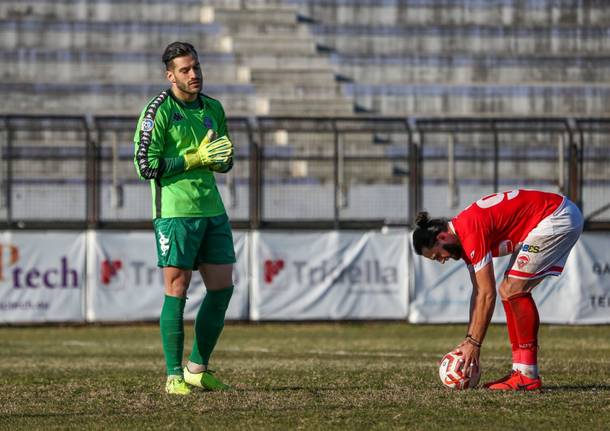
column 185, row 87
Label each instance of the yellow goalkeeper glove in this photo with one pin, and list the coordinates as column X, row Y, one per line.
column 209, row 153
column 222, row 168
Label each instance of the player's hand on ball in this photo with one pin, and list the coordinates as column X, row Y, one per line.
column 469, row 359
column 453, row 376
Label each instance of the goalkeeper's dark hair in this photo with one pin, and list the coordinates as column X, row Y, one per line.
column 178, row 49
column 426, row 230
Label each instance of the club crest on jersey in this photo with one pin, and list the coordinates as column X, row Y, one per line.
column 147, row 125
column 207, row 122
column 522, row 260
column 177, row 116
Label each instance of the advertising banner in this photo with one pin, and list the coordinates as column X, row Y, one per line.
column 125, row 284
column 42, row 277
column 329, row 275
column 441, row 293
column 588, row 276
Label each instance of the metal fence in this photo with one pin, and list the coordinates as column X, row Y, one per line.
column 327, row 173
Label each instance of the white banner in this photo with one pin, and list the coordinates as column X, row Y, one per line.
column 441, row 293
column 588, row 277
column 125, row 284
column 329, row 275
column 41, row 277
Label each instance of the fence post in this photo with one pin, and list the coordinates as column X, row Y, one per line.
column 92, row 171
column 256, row 172
column 575, row 162
column 8, row 188
column 415, row 167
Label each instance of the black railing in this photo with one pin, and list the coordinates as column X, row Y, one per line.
column 327, row 173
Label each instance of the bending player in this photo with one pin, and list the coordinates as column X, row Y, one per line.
column 539, row 229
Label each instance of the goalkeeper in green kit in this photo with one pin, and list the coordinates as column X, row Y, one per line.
column 180, row 141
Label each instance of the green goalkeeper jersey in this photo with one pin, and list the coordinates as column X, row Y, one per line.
column 167, row 128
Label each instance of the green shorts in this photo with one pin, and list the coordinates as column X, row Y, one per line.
column 187, row 242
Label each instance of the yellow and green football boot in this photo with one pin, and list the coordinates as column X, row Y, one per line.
column 176, row 386
column 205, row 380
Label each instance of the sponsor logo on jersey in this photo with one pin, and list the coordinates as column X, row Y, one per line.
column 207, row 122
column 177, row 116
column 522, row 260
column 147, row 125
column 526, row 248
column 163, row 243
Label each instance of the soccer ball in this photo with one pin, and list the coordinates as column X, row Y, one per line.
column 454, row 378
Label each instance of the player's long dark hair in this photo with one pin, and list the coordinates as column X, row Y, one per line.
column 426, row 230
column 178, row 49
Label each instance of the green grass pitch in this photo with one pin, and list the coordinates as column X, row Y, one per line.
column 318, row 376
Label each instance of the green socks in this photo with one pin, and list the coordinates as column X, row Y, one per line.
column 209, row 323
column 172, row 333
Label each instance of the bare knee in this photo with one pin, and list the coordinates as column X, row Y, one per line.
column 511, row 287
column 176, row 281
column 217, row 276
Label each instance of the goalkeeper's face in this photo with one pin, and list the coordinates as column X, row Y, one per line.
column 185, row 75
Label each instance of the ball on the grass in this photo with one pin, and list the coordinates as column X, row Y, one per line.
column 455, row 378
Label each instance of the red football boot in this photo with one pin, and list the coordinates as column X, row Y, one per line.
column 515, row 382
column 501, row 380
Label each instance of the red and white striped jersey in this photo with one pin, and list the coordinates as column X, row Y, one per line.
column 495, row 224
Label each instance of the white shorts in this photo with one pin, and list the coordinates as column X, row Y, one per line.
column 546, row 248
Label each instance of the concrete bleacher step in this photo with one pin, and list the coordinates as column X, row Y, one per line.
column 444, row 99
column 458, row 12
column 489, row 39
column 308, row 76
column 107, row 36
column 315, row 144
column 299, row 91
column 335, row 106
column 253, row 18
column 181, row 11
column 65, row 66
column 471, row 68
column 273, row 44
column 282, row 61
column 110, row 99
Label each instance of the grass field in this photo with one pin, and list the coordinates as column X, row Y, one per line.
column 296, row 376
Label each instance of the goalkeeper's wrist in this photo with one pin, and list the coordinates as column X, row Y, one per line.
column 191, row 160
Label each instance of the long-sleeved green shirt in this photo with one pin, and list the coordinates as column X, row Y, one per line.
column 167, row 128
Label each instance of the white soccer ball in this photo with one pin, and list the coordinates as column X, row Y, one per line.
column 454, row 378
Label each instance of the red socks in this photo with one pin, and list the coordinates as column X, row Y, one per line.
column 512, row 332
column 525, row 324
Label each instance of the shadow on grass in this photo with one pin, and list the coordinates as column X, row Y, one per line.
column 570, row 388
column 305, row 388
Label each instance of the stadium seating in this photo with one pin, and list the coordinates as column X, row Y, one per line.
column 466, row 57
column 103, row 56
column 313, row 57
